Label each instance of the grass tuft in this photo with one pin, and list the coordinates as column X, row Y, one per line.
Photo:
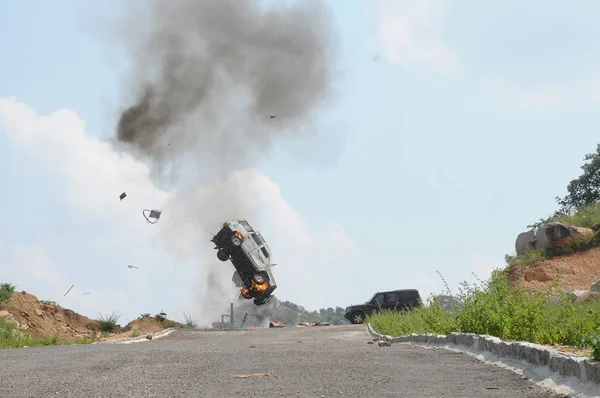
column 108, row 323
column 190, row 323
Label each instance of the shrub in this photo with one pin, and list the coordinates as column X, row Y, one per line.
column 6, row 291
column 108, row 323
column 135, row 333
column 48, row 302
column 189, row 322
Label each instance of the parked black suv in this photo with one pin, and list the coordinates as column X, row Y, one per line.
column 395, row 300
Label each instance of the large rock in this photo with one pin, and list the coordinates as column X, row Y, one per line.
column 554, row 235
column 595, row 286
column 450, row 303
column 525, row 241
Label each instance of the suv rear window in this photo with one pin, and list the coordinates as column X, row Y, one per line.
column 407, row 296
column 247, row 226
column 389, row 297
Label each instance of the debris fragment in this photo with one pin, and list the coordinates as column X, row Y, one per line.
column 132, row 266
column 370, row 342
column 273, row 117
column 68, row 290
column 253, row 376
column 383, row 343
column 252, row 346
column 87, row 293
column 122, row 196
column 492, row 388
column 149, row 336
column 153, row 215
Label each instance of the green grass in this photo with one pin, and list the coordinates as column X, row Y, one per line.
column 508, row 312
column 6, row 291
column 13, row 337
column 108, row 323
column 48, row 302
column 586, row 217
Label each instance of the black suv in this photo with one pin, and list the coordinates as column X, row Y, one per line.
column 395, row 300
column 251, row 257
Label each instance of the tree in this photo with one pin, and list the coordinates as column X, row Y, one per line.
column 585, row 189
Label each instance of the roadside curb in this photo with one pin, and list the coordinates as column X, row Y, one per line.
column 490, row 348
column 141, row 339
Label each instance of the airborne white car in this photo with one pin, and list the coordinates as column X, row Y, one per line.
column 250, row 255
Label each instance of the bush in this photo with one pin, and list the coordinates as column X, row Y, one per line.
column 108, row 323
column 499, row 309
column 6, row 291
column 13, row 337
column 189, row 322
column 48, row 302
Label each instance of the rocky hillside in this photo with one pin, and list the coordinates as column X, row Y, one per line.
column 42, row 319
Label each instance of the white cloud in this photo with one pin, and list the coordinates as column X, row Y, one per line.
column 409, row 34
column 582, row 91
column 94, row 173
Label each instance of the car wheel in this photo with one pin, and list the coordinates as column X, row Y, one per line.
column 236, row 240
column 357, row 318
column 259, row 279
column 221, row 255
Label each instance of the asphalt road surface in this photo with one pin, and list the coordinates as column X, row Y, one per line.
column 332, row 361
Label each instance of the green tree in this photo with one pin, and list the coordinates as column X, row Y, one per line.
column 585, row 189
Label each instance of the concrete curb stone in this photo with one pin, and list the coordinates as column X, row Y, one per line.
column 584, row 369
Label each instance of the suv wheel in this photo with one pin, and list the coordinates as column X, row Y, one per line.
column 221, row 255
column 357, row 318
column 259, row 278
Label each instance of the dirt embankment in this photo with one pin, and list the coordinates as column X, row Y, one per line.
column 40, row 320
column 576, row 271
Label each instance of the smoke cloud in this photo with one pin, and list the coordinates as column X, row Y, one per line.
column 214, row 86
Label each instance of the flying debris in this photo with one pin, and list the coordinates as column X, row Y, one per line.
column 68, row 290
column 151, row 216
column 87, row 293
column 273, row 117
column 122, row 196
column 132, row 266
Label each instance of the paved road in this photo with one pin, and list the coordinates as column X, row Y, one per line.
column 303, row 362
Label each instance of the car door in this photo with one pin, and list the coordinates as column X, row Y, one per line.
column 407, row 300
column 390, row 301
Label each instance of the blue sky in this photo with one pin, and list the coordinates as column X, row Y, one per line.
column 433, row 158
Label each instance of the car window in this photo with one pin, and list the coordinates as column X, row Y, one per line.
column 264, row 251
column 258, row 239
column 379, row 298
column 407, row 296
column 389, row 298
column 247, row 226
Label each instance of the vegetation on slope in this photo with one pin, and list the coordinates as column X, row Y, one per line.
column 580, row 207
column 496, row 308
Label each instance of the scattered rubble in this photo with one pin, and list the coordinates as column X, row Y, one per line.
column 122, row 196
column 132, row 266
column 383, row 343
column 308, row 324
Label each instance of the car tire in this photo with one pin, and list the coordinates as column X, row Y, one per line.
column 221, row 255
column 357, row 318
column 236, row 240
column 259, row 278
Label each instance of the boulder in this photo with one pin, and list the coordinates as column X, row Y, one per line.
column 449, row 303
column 554, row 235
column 576, row 294
column 525, row 241
column 588, row 298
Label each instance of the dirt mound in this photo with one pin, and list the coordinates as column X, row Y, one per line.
column 49, row 320
column 575, row 271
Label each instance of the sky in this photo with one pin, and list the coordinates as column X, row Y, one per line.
column 454, row 125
